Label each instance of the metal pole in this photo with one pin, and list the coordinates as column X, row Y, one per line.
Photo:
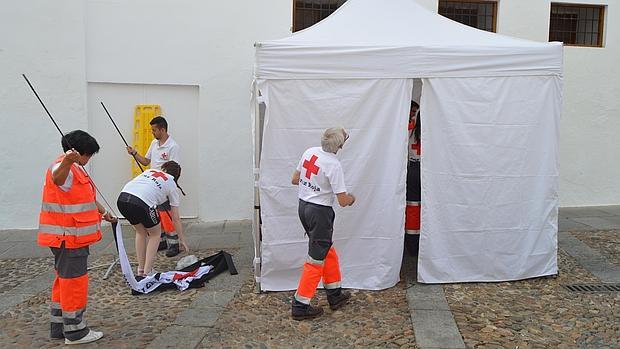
column 256, row 226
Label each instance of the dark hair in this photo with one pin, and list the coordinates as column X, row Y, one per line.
column 81, row 141
column 160, row 122
column 172, row 168
column 418, row 127
column 415, row 104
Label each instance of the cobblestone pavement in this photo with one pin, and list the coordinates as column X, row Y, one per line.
column 13, row 272
column 606, row 242
column 127, row 321
column 371, row 319
column 535, row 313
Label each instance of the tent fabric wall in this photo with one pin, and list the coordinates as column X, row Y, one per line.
column 490, row 142
column 489, row 178
column 397, row 39
column 369, row 235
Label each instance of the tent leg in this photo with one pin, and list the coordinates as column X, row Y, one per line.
column 256, row 217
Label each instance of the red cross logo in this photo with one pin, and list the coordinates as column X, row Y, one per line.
column 164, row 156
column 158, row 174
column 310, row 167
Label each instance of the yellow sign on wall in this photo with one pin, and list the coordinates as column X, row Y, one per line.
column 142, row 136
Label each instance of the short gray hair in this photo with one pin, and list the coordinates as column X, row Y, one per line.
column 332, row 139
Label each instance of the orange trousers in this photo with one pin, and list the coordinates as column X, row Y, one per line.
column 69, row 293
column 314, row 271
column 166, row 222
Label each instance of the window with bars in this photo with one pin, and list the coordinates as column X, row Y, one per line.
column 477, row 14
column 308, row 12
column 578, row 25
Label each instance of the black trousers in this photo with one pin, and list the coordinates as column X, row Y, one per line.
column 318, row 222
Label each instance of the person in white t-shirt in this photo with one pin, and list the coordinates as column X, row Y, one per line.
column 162, row 149
column 138, row 203
column 320, row 177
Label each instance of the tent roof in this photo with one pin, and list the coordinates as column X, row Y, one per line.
column 400, row 39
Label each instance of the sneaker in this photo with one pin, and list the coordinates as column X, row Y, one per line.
column 173, row 250
column 301, row 311
column 91, row 336
column 336, row 302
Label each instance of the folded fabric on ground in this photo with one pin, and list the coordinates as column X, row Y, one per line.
column 192, row 276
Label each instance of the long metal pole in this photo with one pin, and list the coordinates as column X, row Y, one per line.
column 256, row 226
column 65, row 139
column 120, row 134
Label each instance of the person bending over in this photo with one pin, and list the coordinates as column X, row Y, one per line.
column 138, row 202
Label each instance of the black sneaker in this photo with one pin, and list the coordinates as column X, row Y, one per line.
column 301, row 311
column 173, row 250
column 338, row 300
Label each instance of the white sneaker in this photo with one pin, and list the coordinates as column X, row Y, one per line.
column 90, row 337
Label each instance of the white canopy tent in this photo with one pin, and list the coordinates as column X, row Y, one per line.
column 490, row 107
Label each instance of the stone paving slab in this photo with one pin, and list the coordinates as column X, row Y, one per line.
column 24, row 249
column 612, row 210
column 426, row 297
column 606, row 243
column 18, row 235
column 436, row 329
column 567, row 224
column 237, row 226
column 599, row 223
column 176, row 337
column 206, row 227
column 591, row 259
column 589, row 211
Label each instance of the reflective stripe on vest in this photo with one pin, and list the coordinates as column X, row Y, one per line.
column 76, row 208
column 59, row 230
column 69, row 217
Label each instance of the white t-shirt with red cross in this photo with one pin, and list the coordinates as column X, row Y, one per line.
column 320, row 177
column 154, row 188
column 160, row 154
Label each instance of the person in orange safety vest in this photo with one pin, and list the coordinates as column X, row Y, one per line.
column 320, row 177
column 69, row 222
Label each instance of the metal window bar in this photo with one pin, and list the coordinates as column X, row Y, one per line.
column 309, row 12
column 579, row 25
column 477, row 14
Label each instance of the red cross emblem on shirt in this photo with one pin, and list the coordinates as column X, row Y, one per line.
column 157, row 174
column 164, row 156
column 310, row 167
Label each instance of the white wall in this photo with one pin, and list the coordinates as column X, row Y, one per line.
column 44, row 40
column 589, row 167
column 206, row 43
column 112, row 167
column 63, row 46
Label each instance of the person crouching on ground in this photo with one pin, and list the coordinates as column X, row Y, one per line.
column 138, row 203
column 69, row 222
column 319, row 176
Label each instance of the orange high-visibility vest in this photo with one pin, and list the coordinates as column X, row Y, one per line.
column 70, row 216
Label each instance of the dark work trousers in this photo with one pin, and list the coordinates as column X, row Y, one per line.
column 318, row 222
column 69, row 293
column 322, row 260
